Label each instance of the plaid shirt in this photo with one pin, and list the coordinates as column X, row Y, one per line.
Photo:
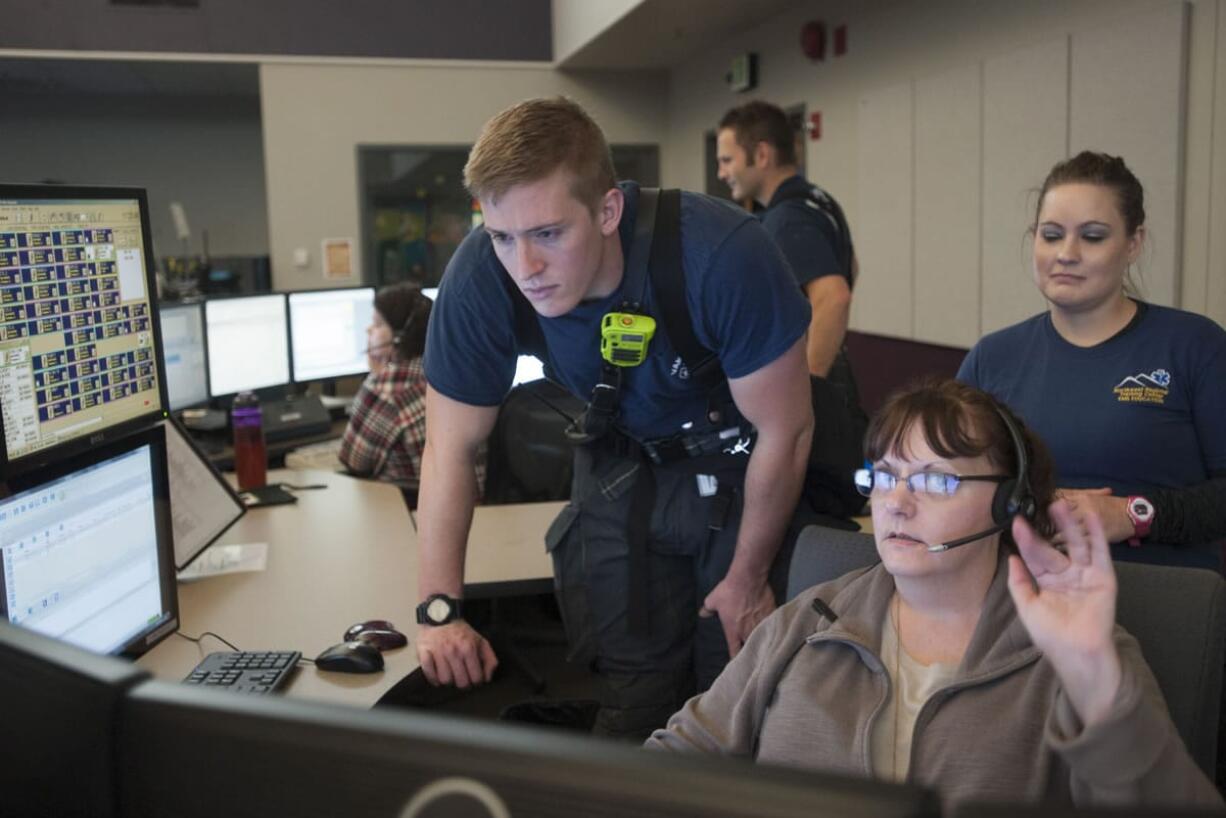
column 387, row 430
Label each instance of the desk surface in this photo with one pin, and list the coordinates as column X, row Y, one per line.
column 340, row 555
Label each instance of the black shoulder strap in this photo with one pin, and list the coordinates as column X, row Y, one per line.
column 668, row 284
column 845, row 252
column 642, row 250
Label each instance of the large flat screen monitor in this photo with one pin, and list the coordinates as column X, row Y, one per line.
column 79, row 352
column 247, row 339
column 86, row 550
column 327, row 330
column 294, row 757
column 187, row 381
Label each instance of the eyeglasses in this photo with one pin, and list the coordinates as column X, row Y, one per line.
column 942, row 484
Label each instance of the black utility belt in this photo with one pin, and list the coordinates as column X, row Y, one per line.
column 734, row 441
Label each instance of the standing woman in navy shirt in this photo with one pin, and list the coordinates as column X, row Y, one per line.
column 1130, row 397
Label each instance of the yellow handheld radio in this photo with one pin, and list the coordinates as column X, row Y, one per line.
column 624, row 337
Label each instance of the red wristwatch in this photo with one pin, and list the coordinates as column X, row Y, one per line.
column 1141, row 512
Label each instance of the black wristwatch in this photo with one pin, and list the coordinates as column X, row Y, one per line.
column 439, row 609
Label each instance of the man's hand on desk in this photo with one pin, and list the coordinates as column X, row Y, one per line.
column 455, row 654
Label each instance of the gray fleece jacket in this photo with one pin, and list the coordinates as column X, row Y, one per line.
column 807, row 686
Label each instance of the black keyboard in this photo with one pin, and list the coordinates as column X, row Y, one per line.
column 246, row 671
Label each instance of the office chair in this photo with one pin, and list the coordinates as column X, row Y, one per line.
column 1177, row 614
column 529, row 455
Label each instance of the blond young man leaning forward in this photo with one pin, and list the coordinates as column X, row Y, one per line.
column 558, row 230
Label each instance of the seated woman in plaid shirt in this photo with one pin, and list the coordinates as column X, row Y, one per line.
column 387, row 430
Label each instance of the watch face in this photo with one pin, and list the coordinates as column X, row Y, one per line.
column 1141, row 509
column 438, row 610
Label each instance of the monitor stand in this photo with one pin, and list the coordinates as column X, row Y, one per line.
column 294, row 417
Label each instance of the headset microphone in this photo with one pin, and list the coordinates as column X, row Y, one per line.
column 374, row 347
column 945, row 546
column 397, row 336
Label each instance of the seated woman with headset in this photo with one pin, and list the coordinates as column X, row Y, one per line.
column 962, row 662
column 1130, row 396
column 387, row 430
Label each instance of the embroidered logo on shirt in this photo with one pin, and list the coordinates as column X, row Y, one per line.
column 1144, row 388
column 680, row 370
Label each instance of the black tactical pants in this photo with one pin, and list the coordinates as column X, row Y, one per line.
column 647, row 672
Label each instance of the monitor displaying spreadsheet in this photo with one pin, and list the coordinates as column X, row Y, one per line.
column 248, row 343
column 79, row 350
column 187, row 381
column 86, row 555
column 328, row 332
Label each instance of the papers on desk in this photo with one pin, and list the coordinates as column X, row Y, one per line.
column 227, row 559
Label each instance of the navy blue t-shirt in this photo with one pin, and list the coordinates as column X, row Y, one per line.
column 804, row 234
column 1141, row 411
column 743, row 304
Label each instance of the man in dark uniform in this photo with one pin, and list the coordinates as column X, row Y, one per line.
column 663, row 558
column 757, row 160
column 756, row 153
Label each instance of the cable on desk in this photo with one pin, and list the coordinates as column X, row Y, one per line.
column 198, row 639
column 291, row 486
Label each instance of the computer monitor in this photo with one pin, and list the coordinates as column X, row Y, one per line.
column 86, row 549
column 63, row 702
column 1056, row 810
column 247, row 342
column 203, row 504
column 79, row 349
column 293, row 757
column 187, row 382
column 528, row 368
column 327, row 331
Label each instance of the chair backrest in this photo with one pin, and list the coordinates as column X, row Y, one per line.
column 823, row 554
column 1178, row 615
column 529, row 456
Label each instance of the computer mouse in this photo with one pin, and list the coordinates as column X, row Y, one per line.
column 350, row 657
column 378, row 632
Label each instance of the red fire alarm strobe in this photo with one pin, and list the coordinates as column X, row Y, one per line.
column 813, row 40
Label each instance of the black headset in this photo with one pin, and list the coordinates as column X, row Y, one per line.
column 1013, row 496
column 399, row 334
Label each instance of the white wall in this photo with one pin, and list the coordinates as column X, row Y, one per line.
column 578, row 22
column 1117, row 74
column 205, row 153
column 315, row 117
